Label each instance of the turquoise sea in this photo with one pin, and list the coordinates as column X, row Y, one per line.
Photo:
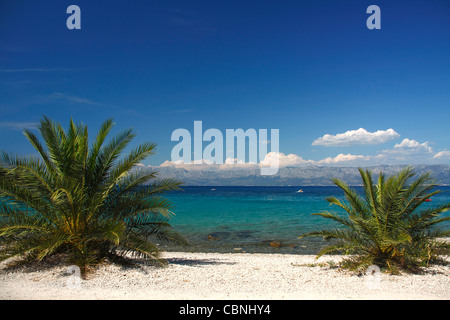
column 236, row 219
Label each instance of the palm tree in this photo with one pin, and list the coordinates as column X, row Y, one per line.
column 386, row 226
column 83, row 201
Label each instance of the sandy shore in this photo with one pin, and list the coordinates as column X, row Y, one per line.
column 224, row 276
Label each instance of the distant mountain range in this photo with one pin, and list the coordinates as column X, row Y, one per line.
column 288, row 176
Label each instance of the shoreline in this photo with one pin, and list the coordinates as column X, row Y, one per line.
column 217, row 276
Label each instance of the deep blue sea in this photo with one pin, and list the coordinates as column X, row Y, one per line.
column 236, row 219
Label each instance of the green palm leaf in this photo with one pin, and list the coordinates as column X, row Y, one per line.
column 385, row 225
column 86, row 200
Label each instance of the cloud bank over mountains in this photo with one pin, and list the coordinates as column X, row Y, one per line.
column 407, row 151
column 250, row 175
column 296, row 170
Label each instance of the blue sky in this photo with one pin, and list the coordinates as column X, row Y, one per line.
column 308, row 68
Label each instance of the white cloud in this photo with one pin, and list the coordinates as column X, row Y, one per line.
column 18, row 125
column 442, row 154
column 356, row 137
column 208, row 165
column 234, row 161
column 168, row 163
column 409, row 146
column 283, row 159
column 344, row 158
column 408, row 151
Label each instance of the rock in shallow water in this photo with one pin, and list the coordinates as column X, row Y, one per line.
column 275, row 244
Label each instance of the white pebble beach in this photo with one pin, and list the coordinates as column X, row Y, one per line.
column 214, row 276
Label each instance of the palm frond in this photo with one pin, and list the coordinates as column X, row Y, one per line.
column 385, row 226
column 87, row 200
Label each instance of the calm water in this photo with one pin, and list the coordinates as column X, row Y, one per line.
column 250, row 218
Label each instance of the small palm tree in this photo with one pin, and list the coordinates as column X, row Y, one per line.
column 80, row 200
column 384, row 226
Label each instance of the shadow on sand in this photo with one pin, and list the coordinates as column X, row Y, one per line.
column 197, row 262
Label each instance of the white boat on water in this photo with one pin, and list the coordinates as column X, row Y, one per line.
column 300, row 191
